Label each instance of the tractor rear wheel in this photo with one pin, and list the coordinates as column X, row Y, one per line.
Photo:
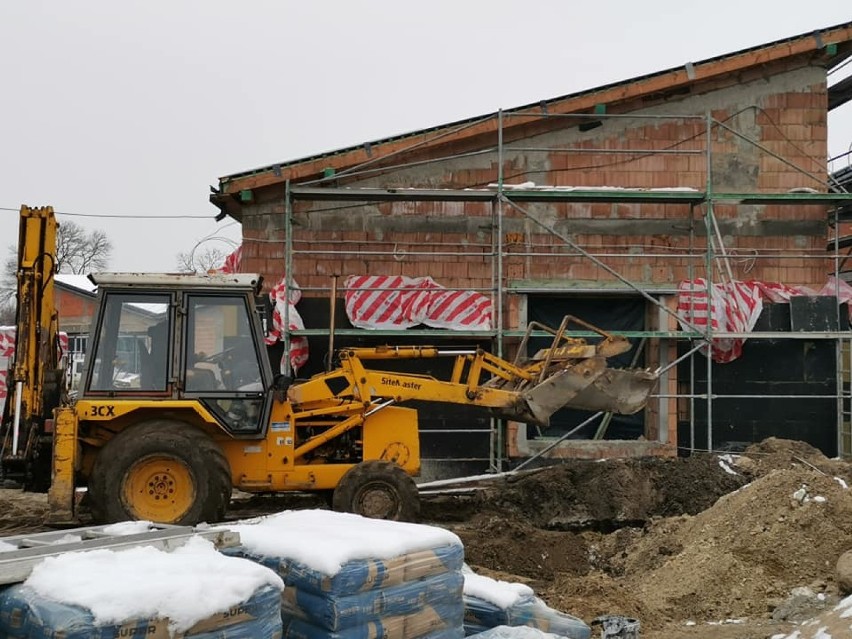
column 162, row 471
column 379, row 490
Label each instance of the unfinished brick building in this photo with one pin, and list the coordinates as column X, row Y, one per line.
column 595, row 204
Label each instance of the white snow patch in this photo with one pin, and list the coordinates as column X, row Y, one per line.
column 324, row 540
column 502, row 594
column 128, row 528
column 6, row 547
column 187, row 585
column 726, row 461
column 518, row 632
column 522, row 185
column 546, row 187
column 820, row 499
column 685, row 189
column 842, row 483
column 689, row 623
column 81, row 282
column 67, row 539
column 845, row 606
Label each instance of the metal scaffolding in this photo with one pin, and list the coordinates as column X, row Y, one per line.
column 712, row 260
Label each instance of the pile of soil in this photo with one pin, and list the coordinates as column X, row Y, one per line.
column 671, row 541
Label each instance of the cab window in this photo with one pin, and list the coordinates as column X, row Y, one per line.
column 220, row 354
column 132, row 346
column 222, row 363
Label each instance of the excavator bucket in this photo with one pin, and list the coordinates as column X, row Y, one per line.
column 559, row 390
column 616, row 391
column 576, row 375
column 590, row 385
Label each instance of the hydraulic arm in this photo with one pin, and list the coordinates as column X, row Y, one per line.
column 570, row 372
column 35, row 376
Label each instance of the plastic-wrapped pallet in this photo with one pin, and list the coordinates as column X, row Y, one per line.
column 348, row 577
column 489, row 603
column 193, row 592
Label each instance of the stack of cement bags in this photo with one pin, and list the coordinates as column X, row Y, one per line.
column 489, row 603
column 348, row 577
column 193, row 592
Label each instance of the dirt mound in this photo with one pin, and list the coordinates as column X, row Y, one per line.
column 775, row 454
column 608, row 494
column 597, row 594
column 670, row 540
column 518, row 548
column 745, row 554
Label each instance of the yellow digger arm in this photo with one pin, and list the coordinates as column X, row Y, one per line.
column 570, row 373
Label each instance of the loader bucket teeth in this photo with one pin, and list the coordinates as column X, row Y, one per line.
column 617, row 391
column 560, row 389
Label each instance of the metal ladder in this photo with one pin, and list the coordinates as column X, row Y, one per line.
column 16, row 565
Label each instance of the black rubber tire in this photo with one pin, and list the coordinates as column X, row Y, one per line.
column 378, row 489
column 188, row 445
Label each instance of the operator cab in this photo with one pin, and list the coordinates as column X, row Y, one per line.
column 180, row 337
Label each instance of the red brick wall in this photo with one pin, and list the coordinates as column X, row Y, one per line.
column 75, row 310
column 649, row 244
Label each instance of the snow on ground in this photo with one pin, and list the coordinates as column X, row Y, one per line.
column 502, row 594
column 186, row 585
column 4, row 547
column 726, row 461
column 324, row 540
column 128, row 528
column 831, row 625
column 516, row 632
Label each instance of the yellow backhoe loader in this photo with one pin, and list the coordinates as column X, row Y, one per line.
column 178, row 404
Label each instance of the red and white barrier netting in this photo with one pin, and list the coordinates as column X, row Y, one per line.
column 280, row 310
column 397, row 302
column 734, row 307
column 7, row 353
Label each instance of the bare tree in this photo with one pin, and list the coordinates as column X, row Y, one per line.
column 201, row 261
column 78, row 251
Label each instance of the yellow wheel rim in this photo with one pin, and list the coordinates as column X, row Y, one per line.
column 159, row 488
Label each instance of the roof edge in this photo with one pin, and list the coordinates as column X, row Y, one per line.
column 793, row 46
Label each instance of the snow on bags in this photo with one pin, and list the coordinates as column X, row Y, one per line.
column 24, row 614
column 192, row 592
column 349, row 577
column 489, row 603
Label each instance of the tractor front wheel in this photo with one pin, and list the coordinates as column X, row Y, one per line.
column 379, row 490
column 162, row 471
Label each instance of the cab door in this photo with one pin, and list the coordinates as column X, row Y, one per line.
column 224, row 363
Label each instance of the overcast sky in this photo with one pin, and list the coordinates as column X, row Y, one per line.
column 134, row 108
